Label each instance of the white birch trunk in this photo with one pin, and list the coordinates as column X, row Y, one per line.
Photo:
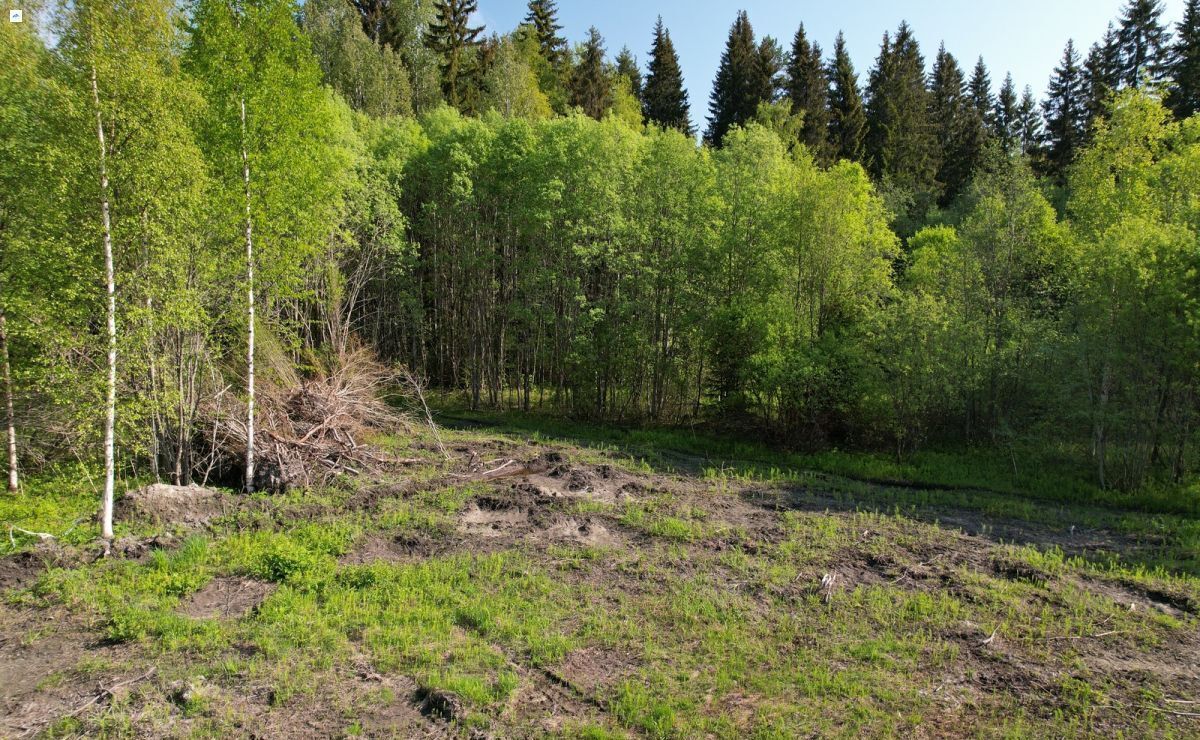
column 110, row 405
column 250, row 311
column 13, row 480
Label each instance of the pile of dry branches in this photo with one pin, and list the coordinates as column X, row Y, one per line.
column 311, row 430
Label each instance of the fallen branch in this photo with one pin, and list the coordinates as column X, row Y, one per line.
column 43, row 536
column 110, row 691
column 1086, row 637
column 1151, row 708
column 496, row 470
column 419, row 389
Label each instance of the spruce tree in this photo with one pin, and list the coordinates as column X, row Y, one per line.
column 738, row 87
column 808, row 89
column 847, row 117
column 977, row 124
column 900, row 140
column 772, row 80
column 952, row 114
column 1145, row 44
column 543, row 16
column 456, row 41
column 1102, row 74
column 664, row 100
column 877, row 104
column 627, row 67
column 590, row 87
column 394, row 23
column 1006, row 117
column 1029, row 124
column 980, row 88
column 1184, row 97
column 1066, row 112
column 401, row 25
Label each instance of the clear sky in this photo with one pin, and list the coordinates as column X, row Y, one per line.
column 1025, row 37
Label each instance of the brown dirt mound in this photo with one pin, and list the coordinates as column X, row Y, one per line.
column 490, row 516
column 189, row 506
column 527, row 513
column 227, row 598
column 602, row 483
column 586, row 531
column 401, row 549
column 23, row 568
column 590, row 670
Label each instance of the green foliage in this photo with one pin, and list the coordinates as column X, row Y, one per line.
column 371, row 77
column 511, row 86
column 587, row 263
column 1066, row 113
column 1184, row 97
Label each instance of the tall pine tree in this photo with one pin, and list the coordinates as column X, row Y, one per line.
column 590, row 87
column 847, row 117
column 1066, row 112
column 1102, row 74
column 1184, row 97
column 1029, row 125
column 543, row 16
column 1006, row 118
column 980, row 88
column 772, row 80
column 627, row 67
column 900, row 139
column 738, row 87
column 664, row 100
column 456, row 41
column 953, row 118
column 1145, row 44
column 808, row 89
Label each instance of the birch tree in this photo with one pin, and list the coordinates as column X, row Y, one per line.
column 145, row 174
column 271, row 136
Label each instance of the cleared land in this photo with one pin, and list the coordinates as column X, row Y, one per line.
column 546, row 584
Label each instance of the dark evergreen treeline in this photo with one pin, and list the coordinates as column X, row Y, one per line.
column 886, row 261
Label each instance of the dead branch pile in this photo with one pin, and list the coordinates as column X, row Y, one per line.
column 314, row 429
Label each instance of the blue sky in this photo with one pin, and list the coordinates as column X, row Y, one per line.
column 1025, row 37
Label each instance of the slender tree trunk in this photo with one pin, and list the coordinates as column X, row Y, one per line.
column 110, row 422
column 1101, row 432
column 155, row 422
column 249, row 311
column 13, row 480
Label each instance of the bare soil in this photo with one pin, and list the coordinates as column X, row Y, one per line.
column 227, row 598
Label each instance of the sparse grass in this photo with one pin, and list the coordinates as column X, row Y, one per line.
column 699, row 623
column 1044, row 475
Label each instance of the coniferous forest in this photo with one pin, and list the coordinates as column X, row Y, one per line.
column 211, row 212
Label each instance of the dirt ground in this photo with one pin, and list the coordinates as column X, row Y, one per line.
column 1094, row 652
